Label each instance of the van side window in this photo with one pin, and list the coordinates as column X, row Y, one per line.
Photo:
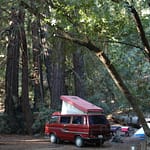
column 77, row 120
column 65, row 119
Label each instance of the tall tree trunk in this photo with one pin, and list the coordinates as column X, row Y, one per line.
column 28, row 118
column 78, row 64
column 48, row 65
column 12, row 68
column 57, row 75
column 38, row 84
column 47, row 53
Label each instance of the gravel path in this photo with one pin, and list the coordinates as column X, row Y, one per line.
column 19, row 142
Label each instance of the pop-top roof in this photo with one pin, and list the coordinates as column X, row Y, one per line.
column 81, row 104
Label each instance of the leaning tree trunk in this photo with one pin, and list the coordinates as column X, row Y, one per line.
column 38, row 84
column 28, row 118
column 12, row 69
column 120, row 84
column 78, row 64
column 140, row 30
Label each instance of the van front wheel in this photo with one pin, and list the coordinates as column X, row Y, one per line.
column 53, row 138
column 79, row 142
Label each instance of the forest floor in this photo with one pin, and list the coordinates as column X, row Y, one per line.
column 20, row 142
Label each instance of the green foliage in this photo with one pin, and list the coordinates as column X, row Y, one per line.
column 4, row 126
column 99, row 101
column 11, row 125
column 40, row 118
column 134, row 69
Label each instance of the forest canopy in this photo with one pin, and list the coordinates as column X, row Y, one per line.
column 98, row 50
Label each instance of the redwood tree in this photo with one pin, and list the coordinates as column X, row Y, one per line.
column 78, row 64
column 37, row 64
column 57, row 74
column 27, row 114
column 12, row 69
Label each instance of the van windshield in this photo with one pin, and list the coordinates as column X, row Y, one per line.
column 54, row 119
column 97, row 119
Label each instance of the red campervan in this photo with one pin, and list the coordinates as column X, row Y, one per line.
column 78, row 122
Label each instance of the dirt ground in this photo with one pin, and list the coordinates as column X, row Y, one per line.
column 20, row 142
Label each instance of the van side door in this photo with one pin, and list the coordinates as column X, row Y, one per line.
column 78, row 126
column 64, row 127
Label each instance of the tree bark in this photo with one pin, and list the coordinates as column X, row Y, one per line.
column 48, row 65
column 78, row 64
column 58, row 74
column 140, row 30
column 28, row 118
column 37, row 75
column 12, row 69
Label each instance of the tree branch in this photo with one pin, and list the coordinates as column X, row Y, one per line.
column 140, row 29
column 33, row 10
column 123, row 43
column 87, row 43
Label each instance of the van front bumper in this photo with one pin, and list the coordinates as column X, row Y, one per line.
column 98, row 138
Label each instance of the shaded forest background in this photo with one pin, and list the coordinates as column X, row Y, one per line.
column 98, row 50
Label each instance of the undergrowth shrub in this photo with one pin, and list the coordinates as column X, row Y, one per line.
column 40, row 118
column 4, row 126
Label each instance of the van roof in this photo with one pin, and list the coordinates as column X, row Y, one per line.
column 96, row 114
column 81, row 104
